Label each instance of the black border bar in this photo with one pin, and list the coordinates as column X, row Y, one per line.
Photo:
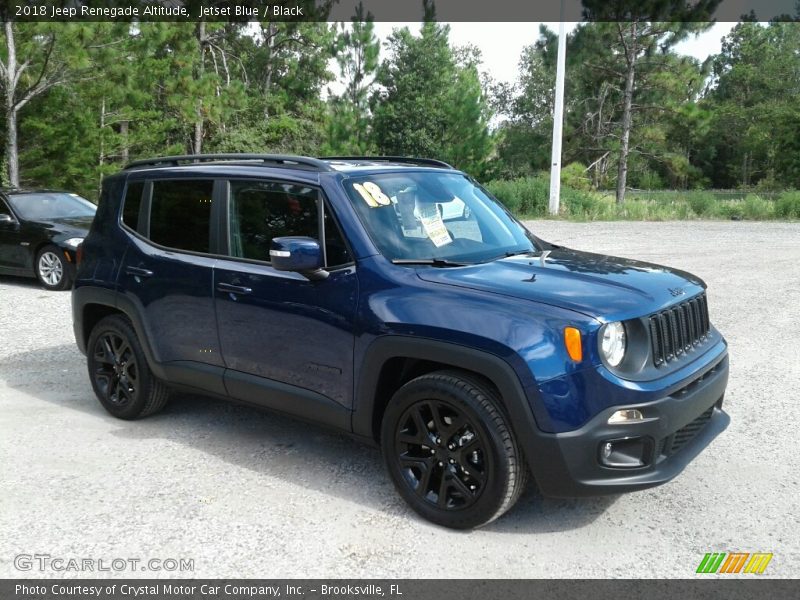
column 733, row 587
column 397, row 10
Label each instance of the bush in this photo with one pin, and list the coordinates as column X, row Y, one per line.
column 583, row 204
column 528, row 196
column 788, row 205
column 574, row 176
column 733, row 209
column 756, row 208
column 701, row 203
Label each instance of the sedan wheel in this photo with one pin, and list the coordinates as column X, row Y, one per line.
column 51, row 269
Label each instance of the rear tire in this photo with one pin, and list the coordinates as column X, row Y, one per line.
column 450, row 452
column 51, row 269
column 118, row 370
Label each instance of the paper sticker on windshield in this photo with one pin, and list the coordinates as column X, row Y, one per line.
column 433, row 225
column 377, row 194
column 365, row 195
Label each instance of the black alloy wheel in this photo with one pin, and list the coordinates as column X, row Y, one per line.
column 121, row 378
column 449, row 450
column 116, row 373
column 442, row 454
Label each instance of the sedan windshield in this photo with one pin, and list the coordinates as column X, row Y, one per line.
column 41, row 206
column 443, row 219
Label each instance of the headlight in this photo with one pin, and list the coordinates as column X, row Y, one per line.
column 613, row 342
column 73, row 242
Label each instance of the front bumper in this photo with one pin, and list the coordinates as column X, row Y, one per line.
column 674, row 431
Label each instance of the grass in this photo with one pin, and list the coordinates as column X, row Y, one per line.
column 529, row 198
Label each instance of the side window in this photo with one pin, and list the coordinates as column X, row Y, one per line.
column 133, row 201
column 180, row 214
column 335, row 249
column 260, row 211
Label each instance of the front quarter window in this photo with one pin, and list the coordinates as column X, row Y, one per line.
column 422, row 215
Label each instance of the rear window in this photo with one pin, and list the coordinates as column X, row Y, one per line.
column 180, row 214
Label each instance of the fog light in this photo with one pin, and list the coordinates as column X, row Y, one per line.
column 608, row 447
column 626, row 453
column 625, row 416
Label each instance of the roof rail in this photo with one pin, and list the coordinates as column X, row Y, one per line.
column 302, row 162
column 398, row 159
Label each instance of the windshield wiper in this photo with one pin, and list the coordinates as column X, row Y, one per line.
column 511, row 253
column 519, row 253
column 435, row 262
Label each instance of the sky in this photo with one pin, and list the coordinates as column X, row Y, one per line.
column 501, row 43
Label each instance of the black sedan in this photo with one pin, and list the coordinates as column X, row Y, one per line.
column 40, row 232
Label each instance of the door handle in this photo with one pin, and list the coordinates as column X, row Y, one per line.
column 233, row 289
column 138, row 272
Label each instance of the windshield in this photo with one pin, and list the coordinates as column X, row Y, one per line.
column 37, row 206
column 428, row 215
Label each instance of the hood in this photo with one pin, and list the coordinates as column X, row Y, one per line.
column 77, row 225
column 605, row 287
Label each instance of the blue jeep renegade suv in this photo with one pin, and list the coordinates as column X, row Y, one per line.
column 395, row 299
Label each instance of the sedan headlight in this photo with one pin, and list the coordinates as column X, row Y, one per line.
column 613, row 343
column 73, row 242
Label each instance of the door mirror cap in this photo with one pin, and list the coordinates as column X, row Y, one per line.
column 299, row 254
column 6, row 218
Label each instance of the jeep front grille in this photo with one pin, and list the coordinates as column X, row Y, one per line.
column 678, row 329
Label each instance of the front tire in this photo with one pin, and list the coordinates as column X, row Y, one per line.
column 450, row 452
column 51, row 269
column 120, row 375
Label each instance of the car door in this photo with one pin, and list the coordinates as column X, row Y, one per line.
column 287, row 342
column 13, row 255
column 167, row 277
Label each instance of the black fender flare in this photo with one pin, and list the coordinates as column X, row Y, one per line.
column 543, row 458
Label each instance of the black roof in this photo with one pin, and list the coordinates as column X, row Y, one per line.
column 304, row 163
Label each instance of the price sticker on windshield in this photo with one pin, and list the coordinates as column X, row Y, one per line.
column 372, row 194
column 371, row 202
column 377, row 194
column 433, row 225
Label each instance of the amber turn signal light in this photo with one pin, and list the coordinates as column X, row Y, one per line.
column 572, row 340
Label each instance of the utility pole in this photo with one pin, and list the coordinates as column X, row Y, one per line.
column 558, row 118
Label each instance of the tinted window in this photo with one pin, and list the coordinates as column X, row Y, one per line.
column 335, row 249
column 260, row 211
column 180, row 214
column 133, row 200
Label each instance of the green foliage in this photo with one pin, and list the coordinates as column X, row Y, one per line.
column 788, row 205
column 523, row 196
column 701, row 203
column 574, row 176
column 431, row 102
column 754, row 107
column 357, row 51
column 756, row 208
column 122, row 91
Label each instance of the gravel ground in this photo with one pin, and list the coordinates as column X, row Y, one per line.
column 249, row 494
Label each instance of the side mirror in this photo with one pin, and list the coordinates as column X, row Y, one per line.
column 6, row 219
column 299, row 254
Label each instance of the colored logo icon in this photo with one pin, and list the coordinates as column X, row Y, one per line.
column 726, row 563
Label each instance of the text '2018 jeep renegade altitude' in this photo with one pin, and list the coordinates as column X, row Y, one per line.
column 346, row 292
